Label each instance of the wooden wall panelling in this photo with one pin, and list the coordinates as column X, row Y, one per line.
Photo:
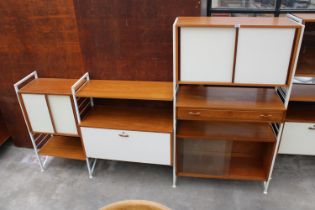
column 130, row 39
column 37, row 34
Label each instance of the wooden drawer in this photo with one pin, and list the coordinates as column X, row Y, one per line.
column 134, row 146
column 298, row 138
column 237, row 115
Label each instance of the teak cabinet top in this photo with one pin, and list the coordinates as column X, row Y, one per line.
column 306, row 17
column 53, row 86
column 261, row 22
column 118, row 89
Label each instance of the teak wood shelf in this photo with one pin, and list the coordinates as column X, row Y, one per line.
column 136, row 117
column 64, row 147
column 303, row 92
column 228, row 131
column 53, row 86
column 142, row 90
column 240, row 98
column 301, row 112
column 240, row 168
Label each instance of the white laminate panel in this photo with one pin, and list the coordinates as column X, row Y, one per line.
column 62, row 114
column 38, row 113
column 298, row 138
column 263, row 55
column 143, row 147
column 206, row 54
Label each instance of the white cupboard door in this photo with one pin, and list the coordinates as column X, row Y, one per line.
column 298, row 139
column 134, row 146
column 263, row 55
column 206, row 54
column 62, row 114
column 38, row 113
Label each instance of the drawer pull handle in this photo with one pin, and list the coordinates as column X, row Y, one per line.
column 194, row 113
column 265, row 115
column 311, row 128
column 124, row 135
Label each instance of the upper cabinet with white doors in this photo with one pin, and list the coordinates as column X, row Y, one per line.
column 235, row 51
column 48, row 106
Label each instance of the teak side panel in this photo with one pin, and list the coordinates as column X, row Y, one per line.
column 143, row 90
column 234, row 98
column 136, row 118
column 51, row 86
column 230, row 131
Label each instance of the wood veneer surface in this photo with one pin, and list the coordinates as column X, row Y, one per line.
column 64, row 147
column 282, row 22
column 229, row 98
column 54, row 86
column 302, row 92
column 230, row 131
column 133, row 117
column 307, row 17
column 144, row 90
column 301, row 112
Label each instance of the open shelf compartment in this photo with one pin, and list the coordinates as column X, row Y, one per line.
column 237, row 160
column 301, row 112
column 130, row 116
column 64, row 147
column 230, row 131
column 241, row 98
column 303, row 92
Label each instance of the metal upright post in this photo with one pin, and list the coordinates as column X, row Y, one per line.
column 16, row 88
column 286, row 102
column 174, row 101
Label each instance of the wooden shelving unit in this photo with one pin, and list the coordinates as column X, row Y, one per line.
column 298, row 134
column 64, row 147
column 47, row 107
column 125, row 120
column 229, row 105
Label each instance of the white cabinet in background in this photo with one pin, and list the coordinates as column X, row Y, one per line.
column 134, row 146
column 263, row 55
column 206, row 54
column 298, row 139
column 62, row 114
column 38, row 113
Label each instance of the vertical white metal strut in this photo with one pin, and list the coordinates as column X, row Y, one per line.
column 16, row 88
column 286, row 102
column 174, row 101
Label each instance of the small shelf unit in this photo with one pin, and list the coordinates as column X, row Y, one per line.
column 299, row 129
column 229, row 103
column 125, row 120
column 48, row 111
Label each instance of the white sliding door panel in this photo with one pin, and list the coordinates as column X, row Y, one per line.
column 206, row 54
column 134, row 146
column 38, row 113
column 298, row 139
column 62, row 114
column 263, row 55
